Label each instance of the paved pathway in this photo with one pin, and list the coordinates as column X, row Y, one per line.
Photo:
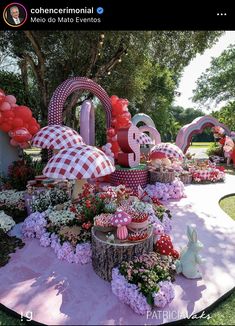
column 59, row 293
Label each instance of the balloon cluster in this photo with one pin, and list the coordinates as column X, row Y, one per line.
column 121, row 118
column 17, row 121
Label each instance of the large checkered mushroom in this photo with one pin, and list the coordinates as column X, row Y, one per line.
column 56, row 137
column 78, row 163
column 171, row 150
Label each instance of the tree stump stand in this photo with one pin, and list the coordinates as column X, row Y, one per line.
column 106, row 255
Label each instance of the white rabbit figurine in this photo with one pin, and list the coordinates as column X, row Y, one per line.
column 189, row 257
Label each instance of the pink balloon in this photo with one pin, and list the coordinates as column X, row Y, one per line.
column 11, row 133
column 5, row 106
column 14, row 143
column 10, row 99
column 24, row 145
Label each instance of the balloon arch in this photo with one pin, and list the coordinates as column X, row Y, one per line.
column 185, row 134
column 55, row 113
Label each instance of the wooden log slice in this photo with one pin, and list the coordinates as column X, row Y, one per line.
column 106, row 255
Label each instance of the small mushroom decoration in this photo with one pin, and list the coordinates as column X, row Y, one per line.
column 165, row 247
column 121, row 219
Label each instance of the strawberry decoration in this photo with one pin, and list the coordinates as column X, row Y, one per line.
column 165, row 247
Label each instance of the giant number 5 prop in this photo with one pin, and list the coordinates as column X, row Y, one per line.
column 55, row 113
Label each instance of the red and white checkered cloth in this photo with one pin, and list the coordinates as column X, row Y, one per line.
column 82, row 162
column 171, row 150
column 56, row 137
column 144, row 139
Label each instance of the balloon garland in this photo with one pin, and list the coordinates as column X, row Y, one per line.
column 121, row 118
column 17, row 121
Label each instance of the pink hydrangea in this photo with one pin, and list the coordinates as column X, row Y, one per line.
column 166, row 191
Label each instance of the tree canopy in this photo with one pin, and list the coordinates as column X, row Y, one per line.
column 218, row 82
column 144, row 66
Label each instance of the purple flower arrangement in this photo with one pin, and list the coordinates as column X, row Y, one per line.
column 34, row 226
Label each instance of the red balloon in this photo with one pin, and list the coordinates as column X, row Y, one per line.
column 32, row 121
column 121, row 106
column 17, row 123
column 22, row 135
column 23, row 112
column 11, row 133
column 2, row 96
column 14, row 143
column 6, row 126
column 1, row 118
column 114, row 99
column 33, row 129
column 115, row 147
column 8, row 115
column 24, row 145
column 113, row 122
column 5, row 106
column 10, row 99
column 126, row 115
column 111, row 132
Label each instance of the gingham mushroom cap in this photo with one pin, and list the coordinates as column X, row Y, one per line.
column 169, row 149
column 56, row 137
column 144, row 139
column 82, row 162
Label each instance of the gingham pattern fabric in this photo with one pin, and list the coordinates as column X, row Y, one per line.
column 144, row 139
column 56, row 137
column 68, row 87
column 171, row 150
column 130, row 178
column 82, row 162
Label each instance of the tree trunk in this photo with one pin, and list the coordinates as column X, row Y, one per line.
column 106, row 255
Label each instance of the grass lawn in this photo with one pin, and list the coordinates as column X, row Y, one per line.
column 6, row 320
column 228, row 205
column 200, row 145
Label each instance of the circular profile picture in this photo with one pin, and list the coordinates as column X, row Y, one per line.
column 15, row 14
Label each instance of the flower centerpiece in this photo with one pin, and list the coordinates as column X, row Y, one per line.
column 145, row 282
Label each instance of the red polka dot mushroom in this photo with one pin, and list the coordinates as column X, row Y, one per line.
column 165, row 247
column 121, row 219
